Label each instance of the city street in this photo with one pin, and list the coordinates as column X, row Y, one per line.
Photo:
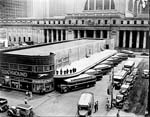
column 56, row 104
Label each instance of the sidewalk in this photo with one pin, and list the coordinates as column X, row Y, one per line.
column 86, row 63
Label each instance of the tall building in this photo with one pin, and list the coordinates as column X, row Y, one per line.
column 13, row 8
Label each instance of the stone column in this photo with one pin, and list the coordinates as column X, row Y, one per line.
column 61, row 35
column 108, row 34
column 78, row 34
column 130, row 40
column 137, row 39
column 144, row 40
column 52, row 36
column 94, row 36
column 94, row 4
column 56, row 35
column 124, row 39
column 47, row 36
column 85, row 34
column 101, row 35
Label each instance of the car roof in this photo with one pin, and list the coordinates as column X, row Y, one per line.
column 24, row 106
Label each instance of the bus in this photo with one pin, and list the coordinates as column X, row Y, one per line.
column 96, row 73
column 78, row 82
column 118, row 78
column 129, row 66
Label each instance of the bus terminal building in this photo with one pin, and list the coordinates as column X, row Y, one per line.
column 33, row 68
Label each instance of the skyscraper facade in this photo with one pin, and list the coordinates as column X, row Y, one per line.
column 13, row 8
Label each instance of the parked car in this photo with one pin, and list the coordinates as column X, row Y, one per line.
column 123, row 56
column 120, row 98
column 108, row 63
column 3, row 105
column 129, row 80
column 145, row 54
column 130, row 53
column 21, row 110
column 145, row 73
column 125, row 88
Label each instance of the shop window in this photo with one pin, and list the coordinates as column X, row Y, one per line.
column 39, row 68
column 25, row 67
column 14, row 66
column 4, row 65
column 46, row 68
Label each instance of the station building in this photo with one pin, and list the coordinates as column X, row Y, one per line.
column 127, row 21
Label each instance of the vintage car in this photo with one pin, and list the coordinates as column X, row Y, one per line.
column 120, row 98
column 3, row 105
column 125, row 90
column 145, row 74
column 21, row 110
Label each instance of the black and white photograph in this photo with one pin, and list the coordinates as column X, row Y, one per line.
column 74, row 58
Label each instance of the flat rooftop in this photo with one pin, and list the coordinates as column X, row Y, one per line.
column 46, row 49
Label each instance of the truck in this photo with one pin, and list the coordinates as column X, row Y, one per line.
column 85, row 104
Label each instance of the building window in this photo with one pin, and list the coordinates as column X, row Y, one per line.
column 14, row 66
column 82, row 21
column 121, row 22
column 134, row 22
column 14, row 39
column 106, row 21
column 69, row 21
column 128, row 22
column 63, row 22
column 29, row 38
column 9, row 38
column 58, row 22
column 53, row 22
column 44, row 22
column 37, row 22
column 25, row 67
column 114, row 21
column 49, row 22
column 24, row 39
column 142, row 22
column 99, row 21
column 76, row 21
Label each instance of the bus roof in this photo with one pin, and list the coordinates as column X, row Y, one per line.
column 82, row 76
column 120, row 73
column 85, row 98
column 129, row 63
column 91, row 71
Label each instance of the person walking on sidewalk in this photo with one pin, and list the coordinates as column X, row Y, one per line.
column 118, row 113
column 95, row 107
column 25, row 100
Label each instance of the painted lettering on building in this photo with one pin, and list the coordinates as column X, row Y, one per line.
column 15, row 73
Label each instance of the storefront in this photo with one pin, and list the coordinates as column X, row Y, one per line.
column 27, row 73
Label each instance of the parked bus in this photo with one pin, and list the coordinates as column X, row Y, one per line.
column 129, row 66
column 119, row 78
column 96, row 73
column 77, row 82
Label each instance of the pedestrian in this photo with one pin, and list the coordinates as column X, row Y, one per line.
column 118, row 113
column 95, row 107
column 70, row 71
column 30, row 94
column 67, row 71
column 75, row 69
column 60, row 71
column 25, row 100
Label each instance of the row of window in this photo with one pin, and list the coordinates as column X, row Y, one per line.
column 29, row 68
column 83, row 22
column 24, row 39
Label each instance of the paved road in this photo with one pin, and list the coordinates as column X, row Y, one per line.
column 55, row 104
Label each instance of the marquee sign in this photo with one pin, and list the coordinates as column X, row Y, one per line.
column 15, row 73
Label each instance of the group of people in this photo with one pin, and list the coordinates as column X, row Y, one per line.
column 96, row 106
column 67, row 71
